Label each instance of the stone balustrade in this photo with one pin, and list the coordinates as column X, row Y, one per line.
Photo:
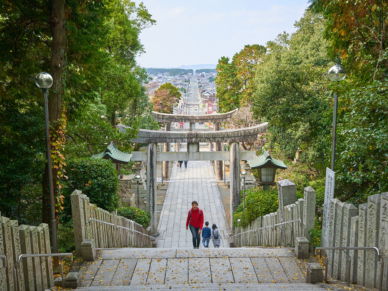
column 32, row 273
column 365, row 226
column 281, row 228
column 108, row 230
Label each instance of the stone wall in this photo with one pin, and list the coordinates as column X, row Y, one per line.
column 32, row 273
column 268, row 230
column 365, row 226
column 120, row 232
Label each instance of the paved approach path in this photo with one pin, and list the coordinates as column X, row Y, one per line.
column 196, row 182
column 179, row 269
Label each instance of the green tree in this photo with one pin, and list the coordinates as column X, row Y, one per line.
column 166, row 97
column 227, row 85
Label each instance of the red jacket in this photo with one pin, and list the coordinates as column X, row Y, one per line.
column 196, row 218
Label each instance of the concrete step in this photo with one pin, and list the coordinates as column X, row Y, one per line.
column 212, row 286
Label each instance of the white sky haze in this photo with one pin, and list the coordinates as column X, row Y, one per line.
column 191, row 32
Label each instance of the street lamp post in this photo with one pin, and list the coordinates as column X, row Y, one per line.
column 336, row 73
column 138, row 196
column 243, row 178
column 44, row 81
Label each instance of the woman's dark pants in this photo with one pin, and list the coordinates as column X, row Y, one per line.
column 196, row 236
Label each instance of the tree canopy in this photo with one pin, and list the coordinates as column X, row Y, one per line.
column 166, row 97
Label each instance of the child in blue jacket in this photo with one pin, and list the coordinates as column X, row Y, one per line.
column 206, row 234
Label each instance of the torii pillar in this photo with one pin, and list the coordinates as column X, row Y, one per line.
column 218, row 164
column 235, row 196
column 151, row 187
column 166, row 149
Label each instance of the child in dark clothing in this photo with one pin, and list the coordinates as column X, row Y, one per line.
column 206, row 234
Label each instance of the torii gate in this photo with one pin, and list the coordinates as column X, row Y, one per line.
column 234, row 136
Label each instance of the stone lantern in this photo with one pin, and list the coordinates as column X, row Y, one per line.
column 266, row 166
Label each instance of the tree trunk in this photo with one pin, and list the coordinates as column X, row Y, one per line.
column 55, row 100
column 113, row 119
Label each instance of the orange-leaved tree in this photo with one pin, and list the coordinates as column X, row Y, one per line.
column 166, row 97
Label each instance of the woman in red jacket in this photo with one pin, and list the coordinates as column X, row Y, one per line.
column 195, row 221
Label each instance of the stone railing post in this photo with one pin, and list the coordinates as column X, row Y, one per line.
column 235, row 197
column 8, row 251
column 309, row 213
column 286, row 196
column 79, row 227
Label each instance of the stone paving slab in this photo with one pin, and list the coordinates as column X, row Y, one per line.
column 157, row 271
column 129, row 253
column 199, row 270
column 277, row 271
column 236, row 253
column 124, row 272
column 291, row 269
column 141, row 272
column 105, row 274
column 243, row 270
column 177, row 271
column 221, row 270
column 262, row 270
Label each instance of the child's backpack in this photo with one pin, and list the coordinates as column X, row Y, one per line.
column 216, row 234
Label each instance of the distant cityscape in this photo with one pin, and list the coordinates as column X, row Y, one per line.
column 197, row 87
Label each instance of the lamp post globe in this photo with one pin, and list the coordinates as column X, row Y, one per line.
column 43, row 80
column 337, row 73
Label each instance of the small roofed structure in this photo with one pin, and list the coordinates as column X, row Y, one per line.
column 113, row 153
column 266, row 166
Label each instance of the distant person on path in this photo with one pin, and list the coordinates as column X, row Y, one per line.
column 180, row 164
column 195, row 222
column 206, row 234
column 185, row 164
column 216, row 237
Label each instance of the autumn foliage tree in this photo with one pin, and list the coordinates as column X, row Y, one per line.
column 166, row 97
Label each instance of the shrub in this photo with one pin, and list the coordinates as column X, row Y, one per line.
column 66, row 241
column 96, row 178
column 258, row 202
column 135, row 214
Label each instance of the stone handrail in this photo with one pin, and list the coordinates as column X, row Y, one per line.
column 87, row 224
column 271, row 226
column 16, row 240
column 48, row 256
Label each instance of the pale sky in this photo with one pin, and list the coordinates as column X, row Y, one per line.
column 191, row 32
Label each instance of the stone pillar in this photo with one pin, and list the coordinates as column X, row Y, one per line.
column 353, row 254
column 309, row 213
column 192, row 126
column 332, row 230
column 8, row 251
column 338, row 240
column 373, row 224
column 383, row 237
column 166, row 149
column 151, row 186
column 235, row 197
column 218, row 164
column 362, row 210
column 78, row 220
column 286, row 196
column 25, row 245
column 349, row 211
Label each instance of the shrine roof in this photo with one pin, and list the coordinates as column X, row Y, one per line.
column 114, row 154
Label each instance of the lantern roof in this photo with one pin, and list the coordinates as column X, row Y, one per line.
column 265, row 159
column 114, row 154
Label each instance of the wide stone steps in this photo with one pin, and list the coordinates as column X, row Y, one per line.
column 213, row 287
column 206, row 269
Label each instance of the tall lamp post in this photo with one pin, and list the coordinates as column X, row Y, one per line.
column 243, row 178
column 44, row 81
column 138, row 196
column 336, row 73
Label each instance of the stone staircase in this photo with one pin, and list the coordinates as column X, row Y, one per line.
column 184, row 269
